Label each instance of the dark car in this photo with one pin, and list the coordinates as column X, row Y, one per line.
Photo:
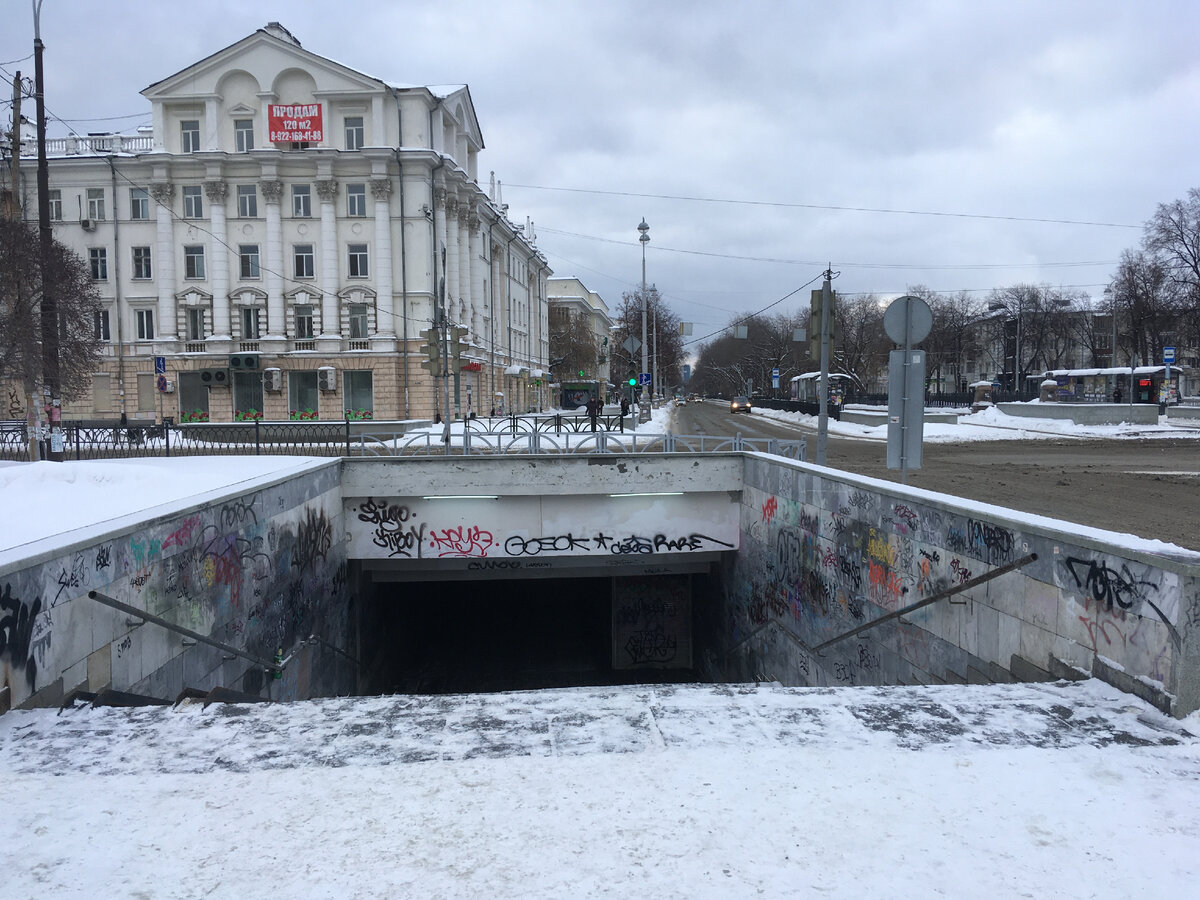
column 739, row 404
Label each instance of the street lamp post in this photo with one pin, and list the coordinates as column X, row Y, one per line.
column 644, row 406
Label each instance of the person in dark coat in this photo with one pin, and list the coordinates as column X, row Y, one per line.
column 624, row 407
column 593, row 410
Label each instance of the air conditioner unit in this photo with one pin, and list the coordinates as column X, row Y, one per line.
column 244, row 362
column 214, row 377
column 87, row 224
column 327, row 378
column 169, row 388
column 272, row 380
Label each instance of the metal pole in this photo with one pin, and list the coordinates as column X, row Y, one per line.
column 823, row 390
column 644, row 405
column 657, row 388
column 50, row 372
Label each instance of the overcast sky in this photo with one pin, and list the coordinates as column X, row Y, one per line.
column 760, row 140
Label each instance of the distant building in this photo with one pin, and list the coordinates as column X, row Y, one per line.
column 280, row 234
column 570, row 298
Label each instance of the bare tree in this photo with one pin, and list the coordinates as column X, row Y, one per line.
column 628, row 323
column 78, row 299
column 1173, row 234
column 1148, row 297
column 573, row 346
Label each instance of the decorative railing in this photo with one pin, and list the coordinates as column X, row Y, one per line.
column 248, row 346
column 92, row 144
column 193, row 347
column 359, row 344
column 304, row 345
column 107, row 440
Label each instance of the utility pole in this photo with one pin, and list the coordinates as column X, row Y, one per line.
column 442, row 326
column 50, row 371
column 14, row 208
column 823, row 389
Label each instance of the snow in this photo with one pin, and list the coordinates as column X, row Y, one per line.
column 674, row 791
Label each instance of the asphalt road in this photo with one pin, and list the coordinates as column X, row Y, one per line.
column 1137, row 486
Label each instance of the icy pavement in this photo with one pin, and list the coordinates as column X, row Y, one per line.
column 666, row 791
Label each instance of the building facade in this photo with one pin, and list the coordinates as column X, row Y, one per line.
column 284, row 233
column 570, row 298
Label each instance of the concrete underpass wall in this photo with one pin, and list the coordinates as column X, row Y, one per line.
column 257, row 569
column 823, row 551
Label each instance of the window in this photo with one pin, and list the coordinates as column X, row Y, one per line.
column 358, row 392
column 301, row 201
column 247, row 392
column 358, row 320
column 302, row 254
column 193, row 202
column 56, row 205
column 247, row 196
column 193, row 394
column 95, row 198
column 302, row 391
column 145, row 324
column 357, row 263
column 101, row 393
column 98, row 261
column 193, row 262
column 139, row 203
column 354, row 132
column 356, row 199
column 250, row 321
column 100, row 323
column 243, row 134
column 304, row 323
column 194, row 327
column 141, row 262
column 147, row 392
column 248, row 255
column 189, row 135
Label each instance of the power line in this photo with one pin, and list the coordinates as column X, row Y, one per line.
column 830, row 207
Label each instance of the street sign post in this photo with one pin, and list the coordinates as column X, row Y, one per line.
column 644, row 378
column 907, row 321
column 160, row 365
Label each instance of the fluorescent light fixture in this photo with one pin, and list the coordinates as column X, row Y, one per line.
column 651, row 494
column 463, row 497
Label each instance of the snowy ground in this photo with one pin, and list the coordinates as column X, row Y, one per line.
column 665, row 791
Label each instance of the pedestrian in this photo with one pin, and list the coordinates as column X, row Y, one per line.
column 593, row 411
column 1117, row 395
column 624, row 407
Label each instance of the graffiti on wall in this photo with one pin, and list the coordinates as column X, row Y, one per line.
column 652, row 623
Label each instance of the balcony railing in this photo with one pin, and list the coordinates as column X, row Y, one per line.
column 360, row 344
column 248, row 346
column 304, row 345
column 92, row 144
column 193, row 347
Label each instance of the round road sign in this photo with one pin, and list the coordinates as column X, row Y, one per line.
column 908, row 320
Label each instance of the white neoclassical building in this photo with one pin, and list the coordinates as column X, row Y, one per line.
column 280, row 235
column 569, row 296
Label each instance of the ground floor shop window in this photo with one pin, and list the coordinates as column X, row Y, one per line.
column 247, row 396
column 147, row 393
column 359, row 395
column 101, row 393
column 302, row 395
column 193, row 398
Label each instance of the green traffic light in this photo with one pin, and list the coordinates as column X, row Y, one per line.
column 633, row 382
column 582, row 373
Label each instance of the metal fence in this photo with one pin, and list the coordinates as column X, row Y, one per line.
column 494, row 436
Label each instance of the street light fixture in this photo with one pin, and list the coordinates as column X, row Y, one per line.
column 644, row 406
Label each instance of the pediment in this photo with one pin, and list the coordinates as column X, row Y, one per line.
column 264, row 57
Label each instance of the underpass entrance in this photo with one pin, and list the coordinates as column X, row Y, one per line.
column 507, row 634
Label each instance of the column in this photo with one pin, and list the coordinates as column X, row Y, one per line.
column 272, row 191
column 327, row 190
column 453, row 294
column 439, row 199
column 465, row 214
column 385, row 301
column 216, row 192
column 163, row 193
column 478, row 299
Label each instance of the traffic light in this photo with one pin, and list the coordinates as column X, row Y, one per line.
column 432, row 348
column 814, row 323
column 456, row 341
column 632, row 382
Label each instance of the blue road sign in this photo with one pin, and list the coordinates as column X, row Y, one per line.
column 1168, row 355
column 644, row 378
column 160, row 365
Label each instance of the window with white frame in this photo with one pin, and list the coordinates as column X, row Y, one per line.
column 95, row 199
column 247, row 198
column 55, row 205
column 194, row 324
column 98, row 263
column 303, row 396
column 301, row 201
column 243, row 135
column 145, row 324
column 139, row 203
column 356, row 262
column 355, row 133
column 248, row 260
column 193, row 261
column 359, row 320
column 193, row 202
column 250, row 323
column 189, row 136
column 304, row 262
column 141, row 262
column 100, row 325
column 356, row 200
column 304, row 323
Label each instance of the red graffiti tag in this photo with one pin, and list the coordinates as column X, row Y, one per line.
column 768, row 509
column 462, row 542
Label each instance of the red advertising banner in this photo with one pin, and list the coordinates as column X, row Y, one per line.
column 297, row 122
